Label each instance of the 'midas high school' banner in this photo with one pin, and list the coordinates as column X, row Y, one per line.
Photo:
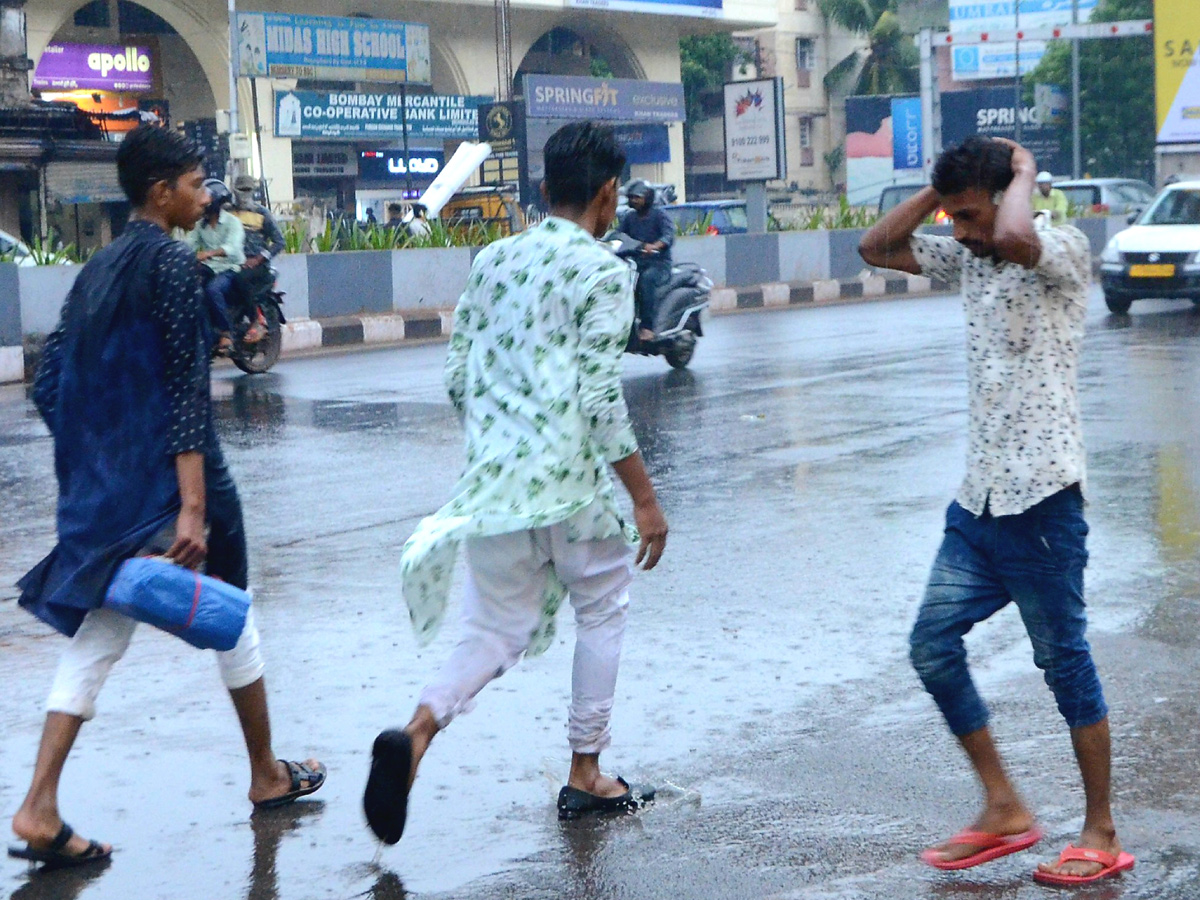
column 336, row 49
column 1177, row 70
column 708, row 9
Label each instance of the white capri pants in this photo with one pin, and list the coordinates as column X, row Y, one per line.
column 104, row 637
column 506, row 580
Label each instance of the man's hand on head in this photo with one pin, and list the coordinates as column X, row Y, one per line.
column 1023, row 162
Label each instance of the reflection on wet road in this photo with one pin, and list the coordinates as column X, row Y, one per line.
column 804, row 462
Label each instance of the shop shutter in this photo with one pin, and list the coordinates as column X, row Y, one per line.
column 83, row 182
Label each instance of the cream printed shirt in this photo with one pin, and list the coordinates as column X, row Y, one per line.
column 1024, row 332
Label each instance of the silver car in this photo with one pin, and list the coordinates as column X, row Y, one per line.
column 1119, row 196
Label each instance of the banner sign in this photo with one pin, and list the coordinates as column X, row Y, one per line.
column 390, row 165
column 708, row 9
column 645, row 144
column 989, row 112
column 1177, row 70
column 279, row 45
column 93, row 67
column 503, row 127
column 973, row 62
column 619, row 99
column 907, row 134
column 754, row 145
column 353, row 116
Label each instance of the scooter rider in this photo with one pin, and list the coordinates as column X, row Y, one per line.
column 264, row 241
column 650, row 225
column 219, row 242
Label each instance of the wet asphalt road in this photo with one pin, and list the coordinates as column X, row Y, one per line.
column 804, row 463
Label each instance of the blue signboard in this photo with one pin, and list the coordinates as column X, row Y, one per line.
column 708, row 9
column 278, row 45
column 645, row 144
column 613, row 99
column 906, row 134
column 354, row 116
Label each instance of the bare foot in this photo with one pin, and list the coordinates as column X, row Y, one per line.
column 1089, row 839
column 1005, row 820
column 278, row 782
column 599, row 786
column 40, row 830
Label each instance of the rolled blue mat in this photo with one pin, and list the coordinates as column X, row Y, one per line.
column 206, row 612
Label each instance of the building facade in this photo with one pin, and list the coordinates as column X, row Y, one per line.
column 188, row 74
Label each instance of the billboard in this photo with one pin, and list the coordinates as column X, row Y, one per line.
column 1177, row 71
column 612, row 99
column 394, row 165
column 990, row 112
column 754, row 145
column 93, row 67
column 883, row 140
column 353, row 116
column 973, row 62
column 708, row 9
column 279, row 45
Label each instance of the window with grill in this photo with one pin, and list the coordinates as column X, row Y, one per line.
column 807, row 156
column 806, row 54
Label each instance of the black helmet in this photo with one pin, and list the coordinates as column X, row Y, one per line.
column 218, row 193
column 639, row 188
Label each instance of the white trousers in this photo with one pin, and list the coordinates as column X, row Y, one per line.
column 506, row 580
column 104, row 637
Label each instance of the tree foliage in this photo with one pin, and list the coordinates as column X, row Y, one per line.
column 1117, row 123
column 889, row 65
column 704, row 64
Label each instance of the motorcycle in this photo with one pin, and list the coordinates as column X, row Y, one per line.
column 259, row 356
column 681, row 300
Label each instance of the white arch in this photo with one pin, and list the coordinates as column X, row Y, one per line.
column 608, row 41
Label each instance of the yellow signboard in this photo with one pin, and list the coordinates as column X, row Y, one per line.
column 1177, row 70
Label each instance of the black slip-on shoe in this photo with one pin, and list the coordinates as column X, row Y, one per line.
column 385, row 801
column 574, row 803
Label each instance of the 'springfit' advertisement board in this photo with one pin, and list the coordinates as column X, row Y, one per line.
column 1177, row 70
column 754, row 147
column 279, row 45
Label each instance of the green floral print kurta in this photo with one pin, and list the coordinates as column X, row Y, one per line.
column 534, row 371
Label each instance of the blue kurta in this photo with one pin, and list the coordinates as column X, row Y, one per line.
column 123, row 387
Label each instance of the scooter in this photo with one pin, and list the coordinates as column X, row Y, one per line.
column 681, row 301
column 257, row 357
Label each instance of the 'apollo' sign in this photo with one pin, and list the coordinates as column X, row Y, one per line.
column 70, row 67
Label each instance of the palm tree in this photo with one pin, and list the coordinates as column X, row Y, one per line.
column 889, row 63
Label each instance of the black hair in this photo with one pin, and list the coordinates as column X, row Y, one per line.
column 420, row 209
column 395, row 208
column 150, row 154
column 580, row 159
column 978, row 162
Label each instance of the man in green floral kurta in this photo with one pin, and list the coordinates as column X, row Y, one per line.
column 534, row 371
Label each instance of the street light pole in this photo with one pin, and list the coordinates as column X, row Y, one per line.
column 1017, row 80
column 1076, row 147
column 234, row 127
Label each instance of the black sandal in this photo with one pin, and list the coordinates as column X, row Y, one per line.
column 385, row 801
column 300, row 772
column 55, row 857
column 574, row 803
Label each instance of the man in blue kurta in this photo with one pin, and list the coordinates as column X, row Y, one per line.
column 124, row 389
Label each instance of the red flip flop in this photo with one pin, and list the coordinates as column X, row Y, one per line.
column 1113, row 865
column 991, row 846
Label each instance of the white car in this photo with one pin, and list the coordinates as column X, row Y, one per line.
column 1159, row 256
column 13, row 249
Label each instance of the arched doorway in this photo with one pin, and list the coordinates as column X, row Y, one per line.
column 84, row 207
column 580, row 51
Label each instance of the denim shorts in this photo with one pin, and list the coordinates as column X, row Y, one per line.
column 1035, row 560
